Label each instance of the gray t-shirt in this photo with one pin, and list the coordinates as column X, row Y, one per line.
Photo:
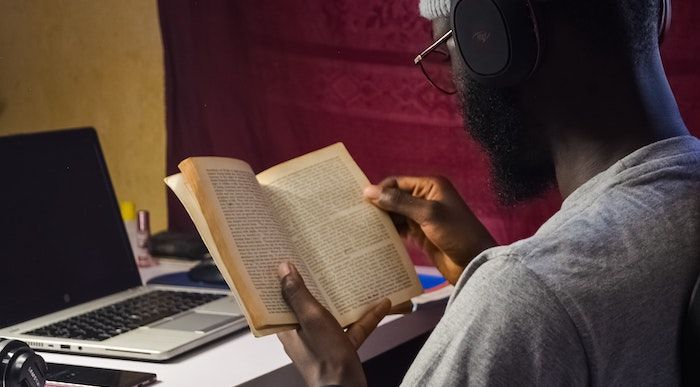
column 595, row 297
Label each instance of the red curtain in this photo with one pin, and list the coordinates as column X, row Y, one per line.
column 265, row 81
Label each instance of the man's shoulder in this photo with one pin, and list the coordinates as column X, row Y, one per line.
column 503, row 270
column 501, row 322
column 500, row 286
column 503, row 274
column 638, row 213
column 644, row 206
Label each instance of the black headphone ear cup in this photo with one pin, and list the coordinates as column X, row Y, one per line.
column 20, row 366
column 3, row 361
column 28, row 369
column 498, row 40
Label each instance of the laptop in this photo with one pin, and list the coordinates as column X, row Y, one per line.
column 68, row 279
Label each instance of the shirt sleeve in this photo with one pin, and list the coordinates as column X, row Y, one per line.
column 502, row 328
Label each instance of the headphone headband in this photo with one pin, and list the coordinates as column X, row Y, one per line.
column 664, row 20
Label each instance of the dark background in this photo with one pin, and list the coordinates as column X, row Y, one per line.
column 265, row 81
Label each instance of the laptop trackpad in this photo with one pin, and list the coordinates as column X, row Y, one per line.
column 196, row 322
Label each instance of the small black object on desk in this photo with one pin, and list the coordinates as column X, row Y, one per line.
column 190, row 247
column 206, row 271
column 177, row 245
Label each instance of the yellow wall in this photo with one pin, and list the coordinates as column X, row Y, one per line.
column 69, row 63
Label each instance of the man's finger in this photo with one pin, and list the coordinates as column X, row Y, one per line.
column 361, row 329
column 402, row 203
column 402, row 308
column 389, row 182
column 294, row 291
column 413, row 184
column 400, row 222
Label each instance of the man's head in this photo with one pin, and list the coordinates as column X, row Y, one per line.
column 514, row 125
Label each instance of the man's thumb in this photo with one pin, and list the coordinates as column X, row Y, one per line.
column 295, row 293
column 293, row 288
column 283, row 269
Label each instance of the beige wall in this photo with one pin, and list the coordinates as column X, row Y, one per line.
column 69, row 63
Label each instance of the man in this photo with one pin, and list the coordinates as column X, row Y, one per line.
column 597, row 295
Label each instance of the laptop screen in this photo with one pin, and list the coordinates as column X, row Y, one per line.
column 62, row 240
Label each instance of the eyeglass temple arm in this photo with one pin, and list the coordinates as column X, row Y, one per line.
column 430, row 48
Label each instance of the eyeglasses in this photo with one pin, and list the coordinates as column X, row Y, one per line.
column 434, row 63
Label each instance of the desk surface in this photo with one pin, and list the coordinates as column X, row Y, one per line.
column 229, row 361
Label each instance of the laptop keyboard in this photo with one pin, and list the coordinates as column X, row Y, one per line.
column 115, row 319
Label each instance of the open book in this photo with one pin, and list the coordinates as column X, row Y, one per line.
column 309, row 211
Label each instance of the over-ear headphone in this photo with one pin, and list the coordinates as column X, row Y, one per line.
column 20, row 366
column 499, row 40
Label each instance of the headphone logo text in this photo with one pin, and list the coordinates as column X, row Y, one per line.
column 481, row 36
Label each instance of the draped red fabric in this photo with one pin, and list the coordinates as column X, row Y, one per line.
column 265, row 81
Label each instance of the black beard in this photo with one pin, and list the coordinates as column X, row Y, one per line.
column 521, row 163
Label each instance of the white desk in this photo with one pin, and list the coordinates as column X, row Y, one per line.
column 235, row 359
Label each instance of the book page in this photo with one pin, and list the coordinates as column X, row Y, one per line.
column 350, row 247
column 177, row 185
column 250, row 242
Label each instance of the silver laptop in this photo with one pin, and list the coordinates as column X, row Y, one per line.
column 68, row 279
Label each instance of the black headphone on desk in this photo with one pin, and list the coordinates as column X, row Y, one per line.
column 499, row 40
column 20, row 366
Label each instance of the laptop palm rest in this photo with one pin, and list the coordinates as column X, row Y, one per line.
column 195, row 322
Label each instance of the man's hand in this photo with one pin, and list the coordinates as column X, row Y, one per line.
column 432, row 214
column 323, row 353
